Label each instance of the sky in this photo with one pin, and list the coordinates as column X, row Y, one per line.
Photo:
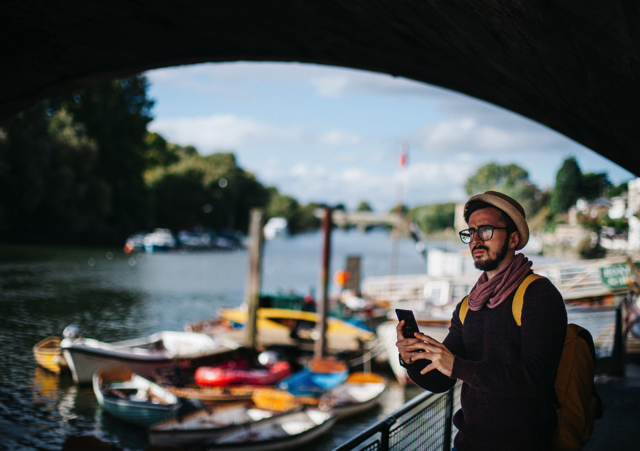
column 334, row 135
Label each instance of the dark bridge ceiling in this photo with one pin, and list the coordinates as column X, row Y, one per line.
column 572, row 65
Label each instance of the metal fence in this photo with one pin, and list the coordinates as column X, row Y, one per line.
column 424, row 423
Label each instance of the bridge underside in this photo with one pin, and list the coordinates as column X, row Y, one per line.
column 571, row 65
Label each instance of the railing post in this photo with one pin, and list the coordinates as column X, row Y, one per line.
column 448, row 418
column 384, row 434
column 618, row 352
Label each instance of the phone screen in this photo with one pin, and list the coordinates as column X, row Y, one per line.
column 410, row 325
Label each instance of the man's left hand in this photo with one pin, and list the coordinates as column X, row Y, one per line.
column 441, row 358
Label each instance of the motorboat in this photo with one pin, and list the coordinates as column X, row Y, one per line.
column 132, row 398
column 143, row 355
column 320, row 375
column 159, row 240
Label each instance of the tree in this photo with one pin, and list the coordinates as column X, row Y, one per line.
column 364, row 206
column 49, row 178
column 509, row 179
column 211, row 191
column 594, row 186
column 568, row 186
column 434, row 217
column 115, row 115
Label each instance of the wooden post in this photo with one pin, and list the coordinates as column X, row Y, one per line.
column 252, row 295
column 323, row 303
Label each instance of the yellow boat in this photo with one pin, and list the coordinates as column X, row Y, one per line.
column 284, row 327
column 48, row 354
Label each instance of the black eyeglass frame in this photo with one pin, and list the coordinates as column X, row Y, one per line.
column 472, row 232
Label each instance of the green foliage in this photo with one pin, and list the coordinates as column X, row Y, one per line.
column 593, row 186
column 51, row 185
column 618, row 190
column 509, row 179
column 210, row 191
column 160, row 152
column 364, row 206
column 300, row 218
column 434, row 217
column 568, row 186
column 115, row 115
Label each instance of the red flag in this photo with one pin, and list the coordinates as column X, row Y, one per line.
column 404, row 150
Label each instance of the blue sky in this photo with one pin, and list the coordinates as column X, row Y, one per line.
column 333, row 135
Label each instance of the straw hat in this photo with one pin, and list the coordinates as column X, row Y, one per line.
column 511, row 207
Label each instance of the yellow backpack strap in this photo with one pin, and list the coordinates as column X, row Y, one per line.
column 464, row 308
column 518, row 299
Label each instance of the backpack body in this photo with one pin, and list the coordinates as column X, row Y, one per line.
column 577, row 402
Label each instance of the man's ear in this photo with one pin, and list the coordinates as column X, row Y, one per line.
column 514, row 239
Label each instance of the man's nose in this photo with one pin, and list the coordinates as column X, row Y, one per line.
column 475, row 237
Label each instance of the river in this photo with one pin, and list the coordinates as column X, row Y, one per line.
column 115, row 296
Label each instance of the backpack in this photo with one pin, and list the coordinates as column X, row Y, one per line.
column 576, row 400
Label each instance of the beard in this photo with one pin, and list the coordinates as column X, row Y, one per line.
column 492, row 263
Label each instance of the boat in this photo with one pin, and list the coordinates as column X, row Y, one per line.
column 132, row 398
column 48, row 354
column 201, row 427
column 320, row 376
column 291, row 430
column 276, row 227
column 143, row 355
column 278, row 326
column 241, row 373
column 359, row 393
column 159, row 240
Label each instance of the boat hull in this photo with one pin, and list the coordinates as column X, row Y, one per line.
column 280, row 439
column 140, row 410
column 48, row 355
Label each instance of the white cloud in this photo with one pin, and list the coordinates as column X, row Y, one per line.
column 223, row 131
column 340, row 138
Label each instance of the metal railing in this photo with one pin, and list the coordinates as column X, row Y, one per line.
column 424, row 423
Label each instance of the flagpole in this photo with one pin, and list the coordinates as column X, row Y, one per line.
column 395, row 231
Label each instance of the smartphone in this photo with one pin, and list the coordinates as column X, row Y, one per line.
column 410, row 325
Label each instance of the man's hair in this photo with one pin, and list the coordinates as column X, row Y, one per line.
column 476, row 204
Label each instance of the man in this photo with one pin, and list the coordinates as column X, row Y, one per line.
column 508, row 371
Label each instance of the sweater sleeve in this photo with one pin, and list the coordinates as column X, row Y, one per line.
column 434, row 380
column 542, row 334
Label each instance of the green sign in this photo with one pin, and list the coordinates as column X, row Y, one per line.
column 617, row 276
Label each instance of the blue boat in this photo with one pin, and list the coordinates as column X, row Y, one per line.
column 315, row 380
column 134, row 399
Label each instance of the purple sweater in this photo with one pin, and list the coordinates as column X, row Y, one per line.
column 507, row 372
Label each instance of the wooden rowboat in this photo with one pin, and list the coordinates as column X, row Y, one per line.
column 133, row 398
column 359, row 393
column 48, row 354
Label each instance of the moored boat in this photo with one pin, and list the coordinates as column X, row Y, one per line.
column 132, row 398
column 359, row 393
column 240, row 373
column 287, row 431
column 277, row 326
column 201, row 427
column 143, row 355
column 320, row 376
column 48, row 354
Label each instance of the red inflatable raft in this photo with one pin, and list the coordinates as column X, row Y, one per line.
column 229, row 375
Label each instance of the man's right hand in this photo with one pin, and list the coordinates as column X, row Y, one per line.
column 407, row 347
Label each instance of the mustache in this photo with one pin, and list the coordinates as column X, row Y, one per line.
column 480, row 246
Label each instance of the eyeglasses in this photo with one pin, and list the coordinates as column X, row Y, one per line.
column 485, row 233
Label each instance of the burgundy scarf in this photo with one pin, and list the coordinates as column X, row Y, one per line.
column 500, row 286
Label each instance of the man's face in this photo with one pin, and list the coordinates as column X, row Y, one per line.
column 487, row 255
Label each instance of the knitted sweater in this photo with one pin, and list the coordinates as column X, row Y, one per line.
column 507, row 372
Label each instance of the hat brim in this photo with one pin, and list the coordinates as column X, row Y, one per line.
column 511, row 211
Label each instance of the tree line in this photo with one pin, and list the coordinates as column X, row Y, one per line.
column 83, row 169
column 543, row 208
